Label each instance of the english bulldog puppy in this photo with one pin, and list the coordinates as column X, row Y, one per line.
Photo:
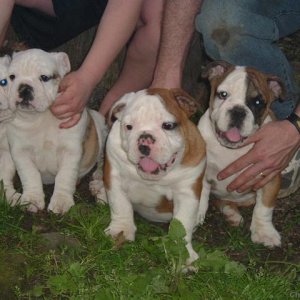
column 154, row 162
column 44, row 153
column 7, row 167
column 239, row 104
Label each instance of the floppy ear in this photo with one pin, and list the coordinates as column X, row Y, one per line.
column 63, row 62
column 186, row 102
column 276, row 86
column 116, row 110
column 215, row 69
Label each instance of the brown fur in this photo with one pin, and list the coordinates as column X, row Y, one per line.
column 107, row 174
column 165, row 206
column 90, row 146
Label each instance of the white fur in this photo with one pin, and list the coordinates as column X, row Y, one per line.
column 44, row 153
column 7, row 167
column 131, row 190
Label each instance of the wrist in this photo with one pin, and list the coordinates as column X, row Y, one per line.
column 294, row 119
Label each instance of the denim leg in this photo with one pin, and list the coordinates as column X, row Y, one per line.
column 244, row 32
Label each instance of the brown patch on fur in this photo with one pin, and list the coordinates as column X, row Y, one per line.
column 194, row 144
column 270, row 191
column 165, row 206
column 107, row 173
column 90, row 146
column 197, row 186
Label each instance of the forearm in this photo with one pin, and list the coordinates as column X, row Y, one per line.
column 6, row 7
column 178, row 28
column 117, row 25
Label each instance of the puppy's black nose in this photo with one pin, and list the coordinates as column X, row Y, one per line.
column 237, row 115
column 144, row 149
column 25, row 92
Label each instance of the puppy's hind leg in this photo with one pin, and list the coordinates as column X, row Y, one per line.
column 7, row 173
column 230, row 211
column 96, row 185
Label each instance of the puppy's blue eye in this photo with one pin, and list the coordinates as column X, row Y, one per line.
column 169, row 125
column 44, row 78
column 3, row 82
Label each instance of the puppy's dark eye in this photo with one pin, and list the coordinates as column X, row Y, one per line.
column 45, row 78
column 169, row 125
column 12, row 77
column 258, row 102
column 129, row 127
column 3, row 82
column 222, row 95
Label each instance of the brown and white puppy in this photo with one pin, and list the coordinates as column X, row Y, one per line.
column 154, row 163
column 239, row 104
column 7, row 167
column 43, row 152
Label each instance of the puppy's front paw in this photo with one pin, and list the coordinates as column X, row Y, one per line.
column 33, row 201
column 60, row 203
column 115, row 229
column 266, row 235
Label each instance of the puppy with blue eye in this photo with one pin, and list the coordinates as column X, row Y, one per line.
column 239, row 104
column 7, row 167
column 154, row 162
column 44, row 153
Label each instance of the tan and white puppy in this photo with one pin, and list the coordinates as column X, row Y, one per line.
column 7, row 167
column 43, row 152
column 154, row 163
column 239, row 105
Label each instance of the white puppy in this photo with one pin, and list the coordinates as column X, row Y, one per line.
column 154, row 162
column 7, row 167
column 42, row 152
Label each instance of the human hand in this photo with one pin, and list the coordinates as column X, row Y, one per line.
column 274, row 146
column 75, row 90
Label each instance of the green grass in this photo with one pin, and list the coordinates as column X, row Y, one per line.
column 45, row 256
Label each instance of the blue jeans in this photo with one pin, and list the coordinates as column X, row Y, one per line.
column 244, row 32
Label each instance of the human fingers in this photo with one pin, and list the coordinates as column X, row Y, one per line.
column 265, row 180
column 244, row 161
column 71, row 121
column 253, row 180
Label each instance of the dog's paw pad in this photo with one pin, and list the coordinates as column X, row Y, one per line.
column 60, row 204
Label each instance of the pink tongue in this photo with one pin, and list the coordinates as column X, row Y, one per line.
column 233, row 135
column 148, row 165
